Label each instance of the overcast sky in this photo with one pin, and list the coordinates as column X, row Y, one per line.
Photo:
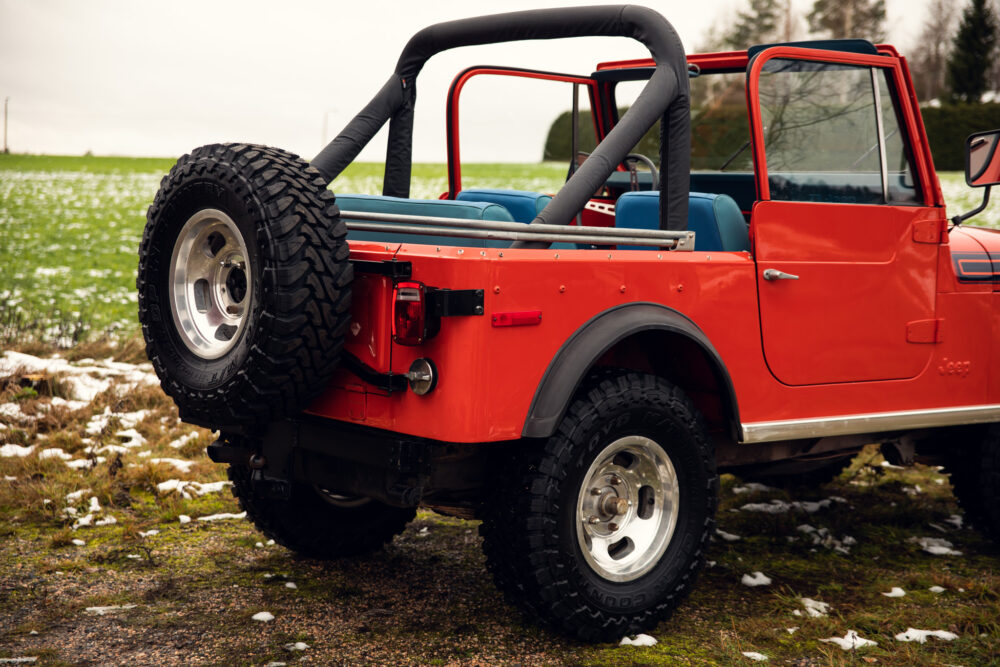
column 138, row 77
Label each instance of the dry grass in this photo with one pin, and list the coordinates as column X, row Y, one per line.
column 427, row 598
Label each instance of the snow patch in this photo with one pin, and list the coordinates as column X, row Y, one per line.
column 54, row 453
column 752, row 487
column 728, row 537
column 640, row 640
column 896, row 592
column 183, row 440
column 756, row 579
column 79, row 543
column 80, row 464
column 222, row 516
column 148, row 533
column 297, row 646
column 783, row 507
column 291, row 585
column 263, row 617
column 13, row 411
column 130, row 438
column 935, row 545
column 815, row 608
column 76, row 495
column 101, row 611
column 851, row 641
column 180, row 464
column 18, row 661
column 9, row 451
column 914, row 635
column 190, row 489
column 955, row 520
column 936, row 589
column 753, row 655
column 184, row 518
column 87, row 378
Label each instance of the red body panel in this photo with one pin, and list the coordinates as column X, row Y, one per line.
column 884, row 317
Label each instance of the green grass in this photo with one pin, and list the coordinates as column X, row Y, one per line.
column 70, row 229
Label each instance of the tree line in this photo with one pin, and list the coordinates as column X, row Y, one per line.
column 953, row 60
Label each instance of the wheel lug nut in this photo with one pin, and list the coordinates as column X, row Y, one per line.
column 593, row 519
column 596, row 491
column 615, row 479
column 614, row 505
column 612, row 527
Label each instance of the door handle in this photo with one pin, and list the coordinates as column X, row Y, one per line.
column 775, row 274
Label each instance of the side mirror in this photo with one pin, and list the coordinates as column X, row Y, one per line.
column 982, row 159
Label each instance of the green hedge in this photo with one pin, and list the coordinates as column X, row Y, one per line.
column 948, row 126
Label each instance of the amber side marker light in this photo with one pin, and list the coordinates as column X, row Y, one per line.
column 409, row 313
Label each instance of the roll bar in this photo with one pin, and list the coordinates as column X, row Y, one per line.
column 666, row 96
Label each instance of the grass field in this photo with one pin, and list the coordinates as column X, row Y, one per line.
column 106, row 556
column 70, row 229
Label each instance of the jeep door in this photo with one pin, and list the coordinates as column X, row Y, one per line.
column 846, row 245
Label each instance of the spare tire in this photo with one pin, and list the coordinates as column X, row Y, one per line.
column 244, row 284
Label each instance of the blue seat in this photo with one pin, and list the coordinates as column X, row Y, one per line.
column 440, row 208
column 715, row 219
column 523, row 206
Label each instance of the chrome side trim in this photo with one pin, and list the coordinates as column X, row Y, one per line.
column 880, row 422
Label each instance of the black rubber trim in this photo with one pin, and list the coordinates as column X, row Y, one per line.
column 577, row 355
column 862, row 46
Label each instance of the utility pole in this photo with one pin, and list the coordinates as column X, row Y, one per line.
column 5, row 149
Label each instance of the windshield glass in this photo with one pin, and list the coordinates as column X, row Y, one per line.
column 720, row 132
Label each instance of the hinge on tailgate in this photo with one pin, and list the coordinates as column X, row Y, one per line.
column 454, row 302
column 390, row 267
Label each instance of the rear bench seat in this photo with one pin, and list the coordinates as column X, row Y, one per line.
column 523, row 206
column 439, row 208
column 715, row 219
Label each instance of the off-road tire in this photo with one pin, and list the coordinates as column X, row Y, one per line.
column 312, row 526
column 530, row 518
column 297, row 284
column 975, row 477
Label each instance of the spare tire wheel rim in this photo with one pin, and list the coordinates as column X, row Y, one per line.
column 211, row 286
column 627, row 509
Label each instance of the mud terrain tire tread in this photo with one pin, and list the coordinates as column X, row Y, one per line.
column 522, row 514
column 312, row 527
column 292, row 343
column 975, row 478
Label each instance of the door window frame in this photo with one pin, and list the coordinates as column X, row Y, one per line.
column 894, row 74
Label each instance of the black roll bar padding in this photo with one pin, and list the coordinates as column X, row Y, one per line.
column 665, row 96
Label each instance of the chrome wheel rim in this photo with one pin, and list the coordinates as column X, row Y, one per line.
column 210, row 286
column 627, row 509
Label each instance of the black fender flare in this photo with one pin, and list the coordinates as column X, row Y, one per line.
column 588, row 343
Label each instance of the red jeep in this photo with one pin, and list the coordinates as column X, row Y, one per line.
column 777, row 288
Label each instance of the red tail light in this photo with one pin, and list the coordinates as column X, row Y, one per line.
column 409, row 313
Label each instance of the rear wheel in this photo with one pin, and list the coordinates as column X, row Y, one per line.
column 320, row 523
column 975, row 477
column 601, row 530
